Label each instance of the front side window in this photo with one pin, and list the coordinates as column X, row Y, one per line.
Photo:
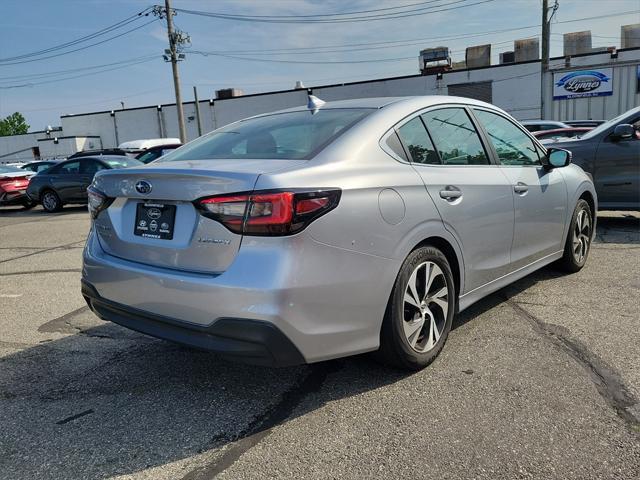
column 512, row 145
column 122, row 162
column 288, row 136
column 416, row 139
column 455, row 137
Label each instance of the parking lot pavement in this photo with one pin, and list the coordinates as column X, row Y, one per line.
column 540, row 380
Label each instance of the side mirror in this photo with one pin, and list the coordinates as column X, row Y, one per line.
column 557, row 158
column 623, row 131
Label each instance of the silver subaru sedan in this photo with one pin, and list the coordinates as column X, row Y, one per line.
column 333, row 229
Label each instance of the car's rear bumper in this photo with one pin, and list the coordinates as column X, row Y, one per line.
column 251, row 341
column 15, row 197
column 324, row 300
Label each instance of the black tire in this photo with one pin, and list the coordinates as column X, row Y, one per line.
column 50, row 201
column 395, row 347
column 575, row 254
column 28, row 204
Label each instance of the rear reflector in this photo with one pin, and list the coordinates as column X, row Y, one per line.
column 269, row 213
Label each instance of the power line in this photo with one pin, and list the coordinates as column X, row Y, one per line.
column 97, row 102
column 68, row 71
column 389, row 44
column 83, row 47
column 85, row 38
column 32, row 84
column 364, row 18
column 398, row 7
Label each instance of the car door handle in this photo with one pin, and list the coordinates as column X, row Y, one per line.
column 450, row 193
column 520, row 188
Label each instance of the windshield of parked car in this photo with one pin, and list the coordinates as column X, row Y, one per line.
column 289, row 136
column 7, row 169
column 614, row 121
column 122, row 162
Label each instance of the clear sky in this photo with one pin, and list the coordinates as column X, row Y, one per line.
column 43, row 90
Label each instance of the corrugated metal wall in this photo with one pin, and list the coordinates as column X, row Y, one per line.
column 625, row 89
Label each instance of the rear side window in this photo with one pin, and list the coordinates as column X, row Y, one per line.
column 91, row 167
column 393, row 142
column 289, row 136
column 455, row 137
column 416, row 139
column 512, row 145
column 69, row 168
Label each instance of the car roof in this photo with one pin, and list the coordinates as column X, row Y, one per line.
column 542, row 122
column 145, row 143
column 421, row 101
column 97, row 157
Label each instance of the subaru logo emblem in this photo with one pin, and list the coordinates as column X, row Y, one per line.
column 143, row 187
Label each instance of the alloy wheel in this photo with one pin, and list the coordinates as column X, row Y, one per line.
column 49, row 201
column 425, row 306
column 581, row 236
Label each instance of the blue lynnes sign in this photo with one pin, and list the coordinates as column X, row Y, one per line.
column 583, row 83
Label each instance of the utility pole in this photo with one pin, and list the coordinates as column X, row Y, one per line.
column 195, row 97
column 546, row 35
column 173, row 54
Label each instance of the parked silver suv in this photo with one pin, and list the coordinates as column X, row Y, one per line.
column 319, row 232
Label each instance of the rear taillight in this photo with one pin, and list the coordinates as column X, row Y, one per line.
column 269, row 212
column 12, row 184
column 97, row 201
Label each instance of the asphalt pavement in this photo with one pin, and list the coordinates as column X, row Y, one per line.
column 539, row 380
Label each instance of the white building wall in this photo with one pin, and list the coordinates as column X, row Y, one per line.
column 233, row 109
column 62, row 147
column 96, row 124
column 17, row 148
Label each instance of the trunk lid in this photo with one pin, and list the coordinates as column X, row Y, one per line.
column 194, row 243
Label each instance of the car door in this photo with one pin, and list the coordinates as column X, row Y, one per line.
column 616, row 170
column 65, row 179
column 539, row 194
column 472, row 196
column 88, row 168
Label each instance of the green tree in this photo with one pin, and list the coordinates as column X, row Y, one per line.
column 14, row 124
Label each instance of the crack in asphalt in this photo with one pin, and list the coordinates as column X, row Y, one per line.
column 261, row 426
column 66, row 246
column 61, row 324
column 53, row 270
column 607, row 381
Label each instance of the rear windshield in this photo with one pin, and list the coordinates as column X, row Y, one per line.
column 124, row 162
column 8, row 169
column 289, row 136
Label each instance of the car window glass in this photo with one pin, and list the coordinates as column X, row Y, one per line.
column 455, row 137
column 69, row 168
column 416, row 139
column 289, row 135
column 393, row 142
column 148, row 156
column 512, row 145
column 90, row 167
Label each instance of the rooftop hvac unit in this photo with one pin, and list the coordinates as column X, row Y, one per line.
column 228, row 93
column 577, row 43
column 507, row 57
column 630, row 36
column 434, row 60
column 526, row 49
column 478, row 56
